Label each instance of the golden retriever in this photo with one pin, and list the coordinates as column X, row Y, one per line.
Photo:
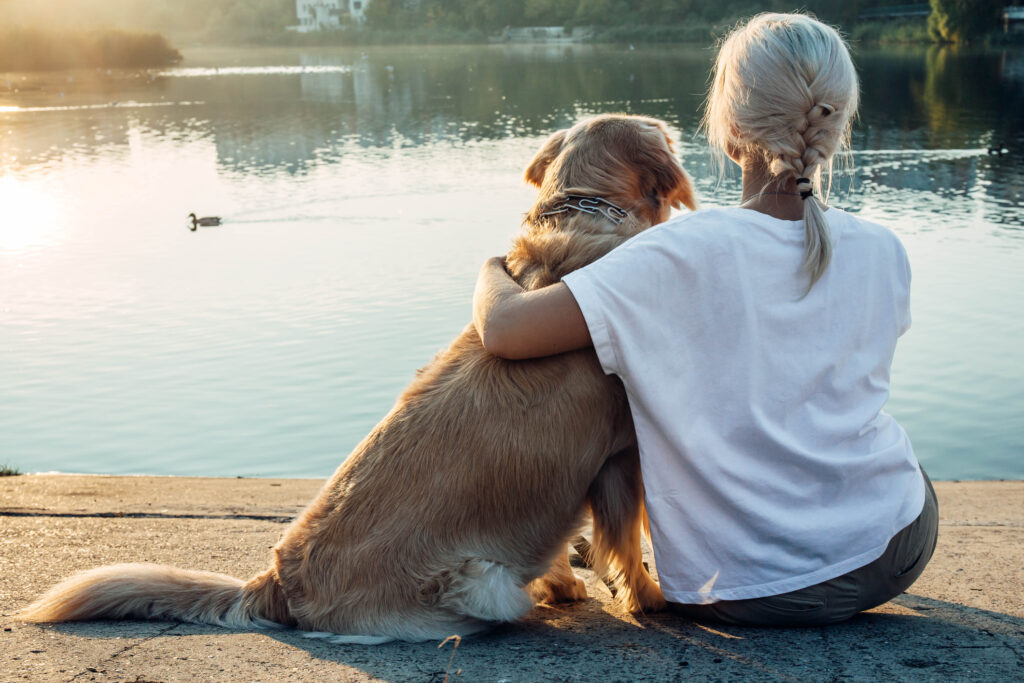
column 454, row 513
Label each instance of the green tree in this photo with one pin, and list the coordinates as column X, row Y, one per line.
column 960, row 21
column 599, row 12
column 250, row 19
column 548, row 12
column 387, row 14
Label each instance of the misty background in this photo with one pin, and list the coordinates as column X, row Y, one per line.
column 182, row 21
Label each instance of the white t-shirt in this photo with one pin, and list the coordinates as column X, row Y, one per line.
column 768, row 463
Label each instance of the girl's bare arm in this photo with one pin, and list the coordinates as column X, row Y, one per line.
column 514, row 323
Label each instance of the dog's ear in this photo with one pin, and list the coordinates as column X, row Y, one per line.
column 551, row 148
column 682, row 188
column 665, row 176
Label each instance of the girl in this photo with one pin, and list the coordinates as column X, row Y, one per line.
column 755, row 344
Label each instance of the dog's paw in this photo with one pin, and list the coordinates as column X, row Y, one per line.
column 545, row 590
column 579, row 591
column 645, row 597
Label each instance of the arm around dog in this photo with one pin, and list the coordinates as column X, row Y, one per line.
column 515, row 324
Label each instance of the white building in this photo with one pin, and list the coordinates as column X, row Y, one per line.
column 316, row 15
column 1013, row 19
column 356, row 9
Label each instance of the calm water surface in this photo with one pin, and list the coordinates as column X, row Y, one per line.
column 360, row 194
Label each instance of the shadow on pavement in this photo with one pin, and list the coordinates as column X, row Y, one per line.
column 584, row 642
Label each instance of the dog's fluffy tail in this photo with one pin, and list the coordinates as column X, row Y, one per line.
column 150, row 591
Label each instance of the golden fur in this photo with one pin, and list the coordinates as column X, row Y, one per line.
column 455, row 511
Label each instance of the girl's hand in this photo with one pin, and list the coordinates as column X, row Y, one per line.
column 515, row 324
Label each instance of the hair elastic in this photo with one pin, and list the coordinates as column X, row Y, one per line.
column 807, row 190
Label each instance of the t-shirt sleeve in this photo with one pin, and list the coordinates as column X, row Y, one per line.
column 588, row 297
column 622, row 298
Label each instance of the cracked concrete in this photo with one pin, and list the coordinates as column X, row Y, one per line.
column 963, row 620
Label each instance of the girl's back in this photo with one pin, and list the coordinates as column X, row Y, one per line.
column 757, row 403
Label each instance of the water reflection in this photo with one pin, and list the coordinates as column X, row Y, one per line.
column 918, row 99
column 361, row 191
column 948, row 106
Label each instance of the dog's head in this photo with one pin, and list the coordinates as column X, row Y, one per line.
column 627, row 160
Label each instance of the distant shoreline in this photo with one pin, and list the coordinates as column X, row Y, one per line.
column 34, row 49
column 869, row 33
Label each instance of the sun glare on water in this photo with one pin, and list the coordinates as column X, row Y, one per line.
column 30, row 215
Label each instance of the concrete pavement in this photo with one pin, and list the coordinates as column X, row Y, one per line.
column 962, row 620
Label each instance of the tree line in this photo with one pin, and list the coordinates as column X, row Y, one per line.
column 950, row 20
column 493, row 15
column 254, row 20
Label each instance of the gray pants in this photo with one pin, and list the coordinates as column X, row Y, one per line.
column 840, row 598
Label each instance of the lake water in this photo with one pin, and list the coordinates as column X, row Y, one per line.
column 362, row 191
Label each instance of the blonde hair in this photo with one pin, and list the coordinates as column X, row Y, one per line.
column 784, row 87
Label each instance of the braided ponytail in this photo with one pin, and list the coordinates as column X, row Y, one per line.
column 817, row 241
column 820, row 143
column 784, row 87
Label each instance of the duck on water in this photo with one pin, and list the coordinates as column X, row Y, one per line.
column 205, row 221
